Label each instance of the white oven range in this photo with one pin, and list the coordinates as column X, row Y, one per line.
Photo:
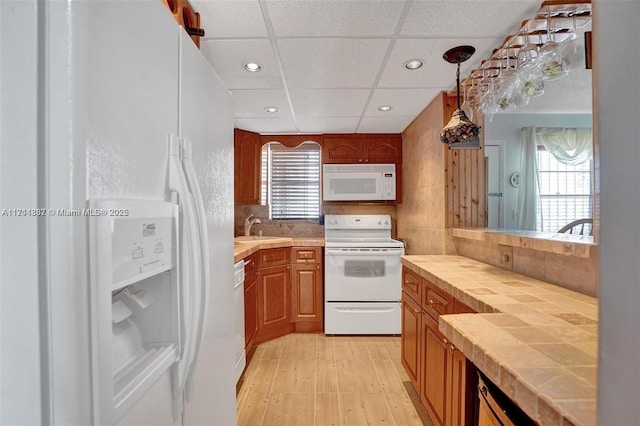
column 363, row 275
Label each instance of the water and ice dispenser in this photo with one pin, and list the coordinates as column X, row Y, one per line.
column 135, row 305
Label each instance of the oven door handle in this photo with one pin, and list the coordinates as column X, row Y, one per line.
column 364, row 310
column 364, row 252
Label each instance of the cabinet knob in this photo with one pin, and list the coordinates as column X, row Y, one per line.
column 445, row 341
column 431, row 302
column 366, row 161
column 452, row 348
column 317, row 266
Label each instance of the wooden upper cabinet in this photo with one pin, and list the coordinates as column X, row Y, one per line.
column 383, row 150
column 341, row 150
column 247, row 150
column 362, row 148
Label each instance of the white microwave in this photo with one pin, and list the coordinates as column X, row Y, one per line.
column 359, row 182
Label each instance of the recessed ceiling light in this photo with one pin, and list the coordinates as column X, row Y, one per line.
column 413, row 64
column 385, row 108
column 252, row 67
column 271, row 109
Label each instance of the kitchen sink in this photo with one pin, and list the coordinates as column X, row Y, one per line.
column 250, row 238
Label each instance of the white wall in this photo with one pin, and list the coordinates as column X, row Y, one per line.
column 616, row 72
column 505, row 129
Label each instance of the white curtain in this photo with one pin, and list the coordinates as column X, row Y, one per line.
column 569, row 146
column 528, row 184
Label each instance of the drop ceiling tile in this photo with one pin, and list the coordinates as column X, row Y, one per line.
column 482, row 18
column 334, row 18
column 331, row 62
column 230, row 19
column 266, row 125
column 251, row 103
column 404, row 102
column 384, row 124
column 327, row 124
column 436, row 72
column 228, row 57
column 331, row 102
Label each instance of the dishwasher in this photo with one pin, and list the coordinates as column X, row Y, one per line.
column 496, row 408
column 238, row 340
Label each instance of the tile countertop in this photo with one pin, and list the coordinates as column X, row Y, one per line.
column 538, row 342
column 242, row 249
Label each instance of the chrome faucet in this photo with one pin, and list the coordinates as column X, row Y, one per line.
column 249, row 222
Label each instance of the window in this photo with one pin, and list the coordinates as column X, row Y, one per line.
column 291, row 181
column 565, row 192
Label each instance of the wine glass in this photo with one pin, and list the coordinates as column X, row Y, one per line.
column 528, row 54
column 573, row 49
column 466, row 103
column 552, row 61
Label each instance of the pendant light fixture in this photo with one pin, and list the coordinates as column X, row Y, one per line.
column 460, row 132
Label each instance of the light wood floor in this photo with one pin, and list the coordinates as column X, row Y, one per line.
column 313, row 379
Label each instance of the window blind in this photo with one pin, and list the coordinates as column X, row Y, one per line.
column 294, row 181
column 565, row 192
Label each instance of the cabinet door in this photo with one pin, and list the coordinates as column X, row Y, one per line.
column 342, row 150
column 307, row 303
column 250, row 310
column 274, row 306
column 433, row 377
column 461, row 395
column 247, row 149
column 410, row 338
column 383, row 150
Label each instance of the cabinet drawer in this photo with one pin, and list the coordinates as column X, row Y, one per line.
column 250, row 264
column 306, row 254
column 273, row 257
column 411, row 284
column 435, row 301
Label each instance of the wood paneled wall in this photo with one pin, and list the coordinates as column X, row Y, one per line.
column 466, row 180
column 443, row 188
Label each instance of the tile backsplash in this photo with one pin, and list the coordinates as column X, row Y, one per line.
column 303, row 228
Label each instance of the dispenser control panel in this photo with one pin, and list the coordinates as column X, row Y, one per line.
column 139, row 245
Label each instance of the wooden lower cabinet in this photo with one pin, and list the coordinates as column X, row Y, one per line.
column 274, row 311
column 461, row 405
column 440, row 373
column 250, row 310
column 433, row 378
column 289, row 292
column 410, row 348
column 307, row 309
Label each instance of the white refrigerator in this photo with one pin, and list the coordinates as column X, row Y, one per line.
column 90, row 97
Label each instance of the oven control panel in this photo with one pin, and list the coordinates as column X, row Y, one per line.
column 349, row 221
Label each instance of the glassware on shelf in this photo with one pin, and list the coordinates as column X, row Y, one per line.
column 573, row 48
column 553, row 64
column 531, row 83
column 529, row 54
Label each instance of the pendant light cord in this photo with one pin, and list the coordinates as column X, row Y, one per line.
column 458, row 83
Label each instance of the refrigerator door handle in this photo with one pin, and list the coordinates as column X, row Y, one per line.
column 190, row 273
column 201, row 219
